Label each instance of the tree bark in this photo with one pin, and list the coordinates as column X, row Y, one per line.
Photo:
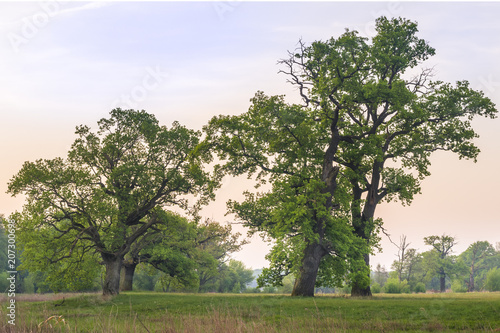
column 358, row 290
column 360, row 230
column 111, row 285
column 127, row 276
column 442, row 282
column 361, row 220
column 471, row 278
column 471, row 283
column 306, row 278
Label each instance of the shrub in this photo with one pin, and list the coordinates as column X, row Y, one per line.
column 493, row 280
column 458, row 286
column 376, row 288
column 420, row 288
column 269, row 290
column 392, row 286
column 252, row 291
column 405, row 288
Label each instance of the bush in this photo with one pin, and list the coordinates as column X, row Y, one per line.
column 492, row 280
column 269, row 290
column 252, row 291
column 392, row 286
column 458, row 286
column 420, row 288
column 376, row 288
column 405, row 289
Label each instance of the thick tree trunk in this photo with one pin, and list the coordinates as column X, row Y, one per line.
column 111, row 285
column 442, row 283
column 127, row 276
column 306, row 279
column 356, row 288
column 362, row 220
column 471, row 279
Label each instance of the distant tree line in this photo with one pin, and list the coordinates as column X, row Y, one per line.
column 438, row 269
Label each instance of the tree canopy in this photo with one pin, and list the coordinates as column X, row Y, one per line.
column 439, row 261
column 105, row 195
column 477, row 258
column 364, row 134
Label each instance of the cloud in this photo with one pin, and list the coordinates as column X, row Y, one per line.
column 88, row 6
column 18, row 14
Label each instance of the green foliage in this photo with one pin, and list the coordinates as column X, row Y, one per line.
column 145, row 278
column 394, row 286
column 3, row 247
column 361, row 112
column 457, row 286
column 169, row 248
column 190, row 255
column 420, row 288
column 105, row 195
column 478, row 258
column 376, row 288
column 408, row 264
column 493, row 280
column 439, row 262
column 287, row 286
column 77, row 271
column 233, row 277
column 213, row 245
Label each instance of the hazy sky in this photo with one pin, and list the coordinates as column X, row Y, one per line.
column 65, row 64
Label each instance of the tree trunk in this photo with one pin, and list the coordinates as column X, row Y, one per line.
column 111, row 285
column 127, row 276
column 358, row 290
column 471, row 279
column 306, row 279
column 442, row 281
column 362, row 219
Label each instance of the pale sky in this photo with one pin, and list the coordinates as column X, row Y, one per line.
column 63, row 64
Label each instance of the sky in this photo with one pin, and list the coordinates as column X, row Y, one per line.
column 64, row 64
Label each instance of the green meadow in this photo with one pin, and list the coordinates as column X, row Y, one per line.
column 160, row 312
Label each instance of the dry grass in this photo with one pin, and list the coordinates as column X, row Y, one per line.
column 43, row 297
column 169, row 313
column 215, row 322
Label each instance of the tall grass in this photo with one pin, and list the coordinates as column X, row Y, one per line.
column 154, row 312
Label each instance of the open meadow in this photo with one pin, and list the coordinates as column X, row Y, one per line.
column 159, row 312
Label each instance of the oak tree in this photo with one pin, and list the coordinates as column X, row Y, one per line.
column 477, row 259
column 439, row 260
column 213, row 246
column 304, row 210
column 105, row 195
column 364, row 135
column 388, row 121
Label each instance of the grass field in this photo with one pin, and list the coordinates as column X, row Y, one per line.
column 157, row 312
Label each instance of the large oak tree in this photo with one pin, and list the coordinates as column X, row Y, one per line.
column 365, row 134
column 104, row 196
column 477, row 258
